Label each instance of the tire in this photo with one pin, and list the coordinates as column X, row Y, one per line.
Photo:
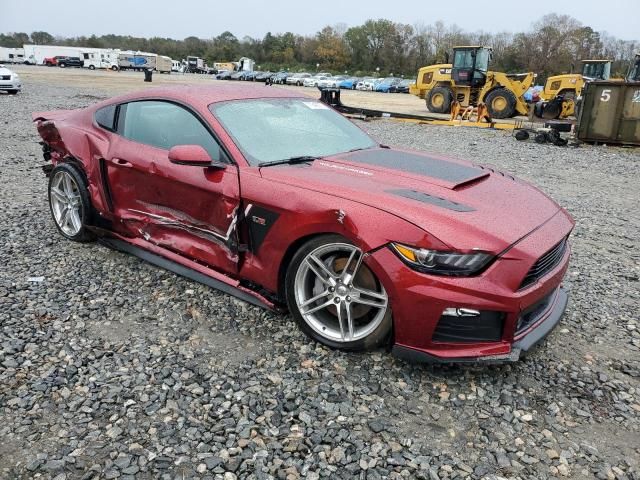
column 439, row 100
column 317, row 288
column 12, row 92
column 522, row 135
column 501, row 103
column 68, row 187
column 114, row 68
column 61, row 65
column 91, row 67
column 540, row 138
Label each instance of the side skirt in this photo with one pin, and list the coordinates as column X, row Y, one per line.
column 182, row 268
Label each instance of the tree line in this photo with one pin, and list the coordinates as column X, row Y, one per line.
column 554, row 44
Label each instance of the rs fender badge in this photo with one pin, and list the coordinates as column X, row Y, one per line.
column 259, row 220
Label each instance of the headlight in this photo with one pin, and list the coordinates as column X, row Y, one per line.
column 442, row 263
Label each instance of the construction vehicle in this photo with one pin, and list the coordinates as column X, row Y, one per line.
column 561, row 92
column 469, row 82
column 634, row 70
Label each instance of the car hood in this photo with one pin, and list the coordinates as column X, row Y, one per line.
column 443, row 196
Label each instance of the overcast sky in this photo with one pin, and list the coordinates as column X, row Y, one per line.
column 208, row 18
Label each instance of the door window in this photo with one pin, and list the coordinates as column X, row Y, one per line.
column 165, row 125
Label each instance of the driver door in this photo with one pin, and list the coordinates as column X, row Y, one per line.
column 190, row 210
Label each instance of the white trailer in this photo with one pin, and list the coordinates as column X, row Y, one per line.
column 164, row 64
column 35, row 54
column 136, row 61
column 11, row 55
column 246, row 64
column 100, row 58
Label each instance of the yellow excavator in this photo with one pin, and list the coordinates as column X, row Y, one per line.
column 469, row 82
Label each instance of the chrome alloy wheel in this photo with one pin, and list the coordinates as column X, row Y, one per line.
column 338, row 296
column 66, row 203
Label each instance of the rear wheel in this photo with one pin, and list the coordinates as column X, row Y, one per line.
column 501, row 103
column 439, row 100
column 69, row 203
column 61, row 65
column 335, row 298
column 91, row 67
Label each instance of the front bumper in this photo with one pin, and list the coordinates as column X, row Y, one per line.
column 523, row 345
column 10, row 85
column 527, row 313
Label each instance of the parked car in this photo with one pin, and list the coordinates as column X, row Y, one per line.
column 349, row 83
column 281, row 77
column 236, row 75
column 248, row 76
column 363, row 244
column 52, row 61
column 313, row 81
column 330, row 82
column 224, row 74
column 323, row 74
column 403, row 86
column 70, row 62
column 9, row 81
column 367, row 83
column 263, row 76
column 297, row 78
column 385, row 84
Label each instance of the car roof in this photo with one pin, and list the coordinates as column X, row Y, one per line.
column 204, row 95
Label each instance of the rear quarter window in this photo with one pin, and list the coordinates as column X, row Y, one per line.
column 106, row 117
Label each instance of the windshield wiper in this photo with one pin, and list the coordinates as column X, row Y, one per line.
column 290, row 161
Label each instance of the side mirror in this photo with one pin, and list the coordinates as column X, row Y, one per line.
column 193, row 155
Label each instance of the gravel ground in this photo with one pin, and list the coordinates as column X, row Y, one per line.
column 111, row 368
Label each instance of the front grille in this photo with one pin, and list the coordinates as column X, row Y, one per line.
column 545, row 264
column 487, row 327
column 5, row 77
column 533, row 313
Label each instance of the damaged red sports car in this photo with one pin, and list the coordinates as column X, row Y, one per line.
column 278, row 199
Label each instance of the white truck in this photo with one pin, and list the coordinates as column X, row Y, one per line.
column 195, row 65
column 11, row 55
column 107, row 59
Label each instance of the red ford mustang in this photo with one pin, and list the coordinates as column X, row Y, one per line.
column 283, row 202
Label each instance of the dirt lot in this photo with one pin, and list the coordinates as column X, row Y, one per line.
column 111, row 368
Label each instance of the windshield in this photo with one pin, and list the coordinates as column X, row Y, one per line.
column 634, row 72
column 601, row 71
column 269, row 129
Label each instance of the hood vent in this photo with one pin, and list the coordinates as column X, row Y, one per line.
column 432, row 200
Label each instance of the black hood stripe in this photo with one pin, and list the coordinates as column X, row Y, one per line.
column 416, row 164
column 430, row 199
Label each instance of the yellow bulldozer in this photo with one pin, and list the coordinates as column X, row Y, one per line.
column 469, row 82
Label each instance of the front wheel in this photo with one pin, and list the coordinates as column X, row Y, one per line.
column 501, row 103
column 92, row 67
column 439, row 100
column 335, row 298
column 69, row 203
